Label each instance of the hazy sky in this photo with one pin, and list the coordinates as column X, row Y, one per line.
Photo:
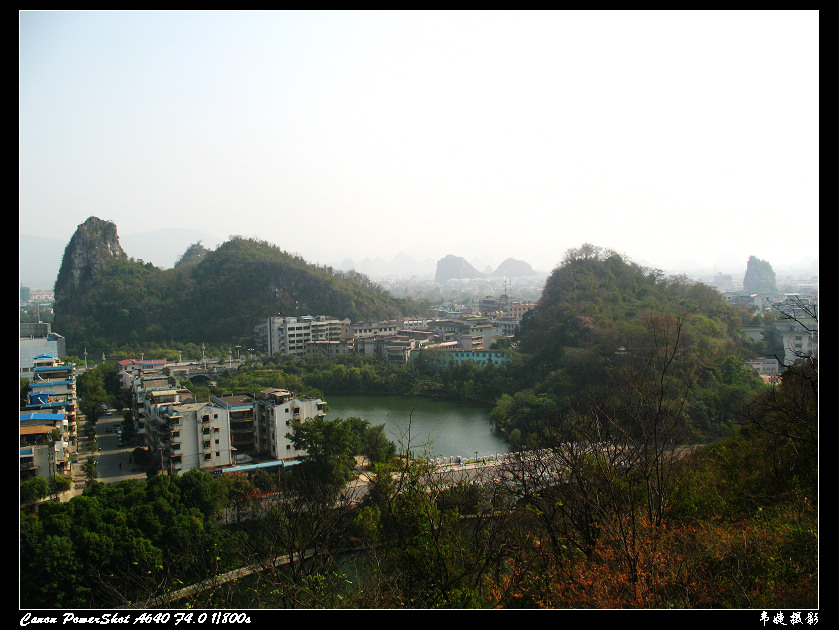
column 663, row 135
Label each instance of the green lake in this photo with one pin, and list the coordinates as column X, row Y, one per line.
column 429, row 426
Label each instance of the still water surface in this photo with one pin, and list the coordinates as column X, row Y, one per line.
column 434, row 427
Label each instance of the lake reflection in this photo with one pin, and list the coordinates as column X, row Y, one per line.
column 438, row 428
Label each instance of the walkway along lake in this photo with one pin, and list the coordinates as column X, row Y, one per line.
column 438, row 428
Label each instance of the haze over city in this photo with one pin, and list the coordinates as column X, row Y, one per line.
column 669, row 136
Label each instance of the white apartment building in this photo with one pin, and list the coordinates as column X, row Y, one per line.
column 36, row 341
column 186, row 435
column 129, row 369
column 331, row 348
column 290, row 335
column 765, row 366
column 274, row 411
column 798, row 339
column 364, row 330
column 505, row 326
column 798, row 328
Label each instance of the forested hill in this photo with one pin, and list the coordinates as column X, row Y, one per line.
column 599, row 301
column 604, row 322
column 215, row 298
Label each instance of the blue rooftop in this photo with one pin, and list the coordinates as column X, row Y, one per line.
column 41, row 416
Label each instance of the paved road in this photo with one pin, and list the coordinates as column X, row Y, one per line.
column 112, row 458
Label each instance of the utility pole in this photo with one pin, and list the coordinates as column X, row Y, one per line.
column 51, row 453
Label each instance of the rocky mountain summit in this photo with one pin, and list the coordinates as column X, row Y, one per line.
column 760, row 277
column 93, row 244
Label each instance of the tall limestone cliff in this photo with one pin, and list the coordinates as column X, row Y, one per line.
column 759, row 278
column 94, row 242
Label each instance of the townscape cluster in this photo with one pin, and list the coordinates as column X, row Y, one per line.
column 243, row 431
column 238, row 432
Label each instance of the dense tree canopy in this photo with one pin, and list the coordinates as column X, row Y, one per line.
column 217, row 296
column 600, row 317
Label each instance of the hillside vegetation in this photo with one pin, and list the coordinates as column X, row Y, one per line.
column 217, row 297
column 604, row 323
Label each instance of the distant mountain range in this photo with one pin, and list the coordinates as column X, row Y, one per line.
column 455, row 267
column 40, row 260
column 401, row 265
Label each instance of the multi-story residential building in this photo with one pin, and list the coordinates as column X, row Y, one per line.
column 364, row 330
column 798, row 328
column 186, row 435
column 765, row 366
column 494, row 306
column 506, row 326
column 129, row 369
column 289, row 335
column 45, row 448
column 723, row 282
column 38, row 339
column 446, row 329
column 331, row 348
column 479, row 356
column 240, row 411
column 503, row 306
column 142, row 382
column 754, row 301
column 52, row 388
column 452, row 329
column 458, row 355
column 481, row 327
column 518, row 309
column 397, row 348
column 755, row 333
column 799, row 339
column 470, row 342
column 329, row 329
column 274, row 411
